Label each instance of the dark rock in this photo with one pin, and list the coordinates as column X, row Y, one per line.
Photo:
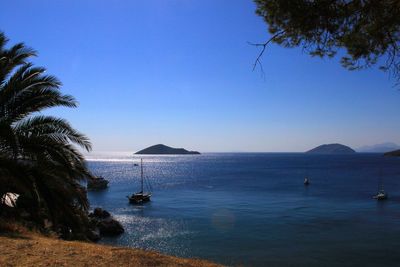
column 100, row 213
column 110, row 226
column 97, row 183
column 93, row 235
column 102, row 221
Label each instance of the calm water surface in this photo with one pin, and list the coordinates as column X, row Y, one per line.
column 253, row 209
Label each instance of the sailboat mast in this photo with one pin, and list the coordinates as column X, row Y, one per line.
column 141, row 171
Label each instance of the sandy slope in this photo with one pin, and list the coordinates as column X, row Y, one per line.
column 36, row 250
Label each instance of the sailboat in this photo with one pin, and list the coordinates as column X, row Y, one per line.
column 306, row 180
column 381, row 195
column 140, row 197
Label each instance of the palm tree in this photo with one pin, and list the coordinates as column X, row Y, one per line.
column 38, row 155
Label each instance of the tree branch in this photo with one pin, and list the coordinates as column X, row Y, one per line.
column 264, row 46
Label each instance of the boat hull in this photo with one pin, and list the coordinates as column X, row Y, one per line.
column 381, row 195
column 139, row 198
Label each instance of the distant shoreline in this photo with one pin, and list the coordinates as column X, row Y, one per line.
column 125, row 157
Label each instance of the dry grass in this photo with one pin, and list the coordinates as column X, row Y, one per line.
column 32, row 249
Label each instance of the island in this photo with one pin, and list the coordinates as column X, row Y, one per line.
column 395, row 153
column 161, row 149
column 331, row 149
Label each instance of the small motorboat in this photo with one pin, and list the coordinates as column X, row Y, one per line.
column 306, row 181
column 140, row 197
column 381, row 195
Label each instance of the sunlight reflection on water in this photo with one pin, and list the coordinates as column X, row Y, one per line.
column 253, row 209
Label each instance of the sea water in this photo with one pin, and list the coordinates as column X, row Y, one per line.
column 253, row 209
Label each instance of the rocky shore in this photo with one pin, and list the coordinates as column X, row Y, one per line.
column 103, row 224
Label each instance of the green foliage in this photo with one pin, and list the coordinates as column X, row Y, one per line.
column 38, row 158
column 367, row 30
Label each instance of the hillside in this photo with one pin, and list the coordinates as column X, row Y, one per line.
column 379, row 148
column 161, row 149
column 331, row 149
column 36, row 250
column 395, row 153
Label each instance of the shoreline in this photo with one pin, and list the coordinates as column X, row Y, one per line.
column 37, row 250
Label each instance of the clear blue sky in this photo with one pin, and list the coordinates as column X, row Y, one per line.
column 179, row 72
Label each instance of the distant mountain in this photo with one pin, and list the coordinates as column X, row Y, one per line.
column 331, row 149
column 379, row 148
column 165, row 150
column 395, row 153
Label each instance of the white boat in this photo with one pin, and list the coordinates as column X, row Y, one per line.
column 140, row 197
column 381, row 195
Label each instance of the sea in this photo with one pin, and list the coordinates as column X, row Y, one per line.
column 253, row 209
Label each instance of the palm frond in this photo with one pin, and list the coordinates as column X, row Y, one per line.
column 38, row 154
column 11, row 58
column 57, row 129
column 3, row 41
